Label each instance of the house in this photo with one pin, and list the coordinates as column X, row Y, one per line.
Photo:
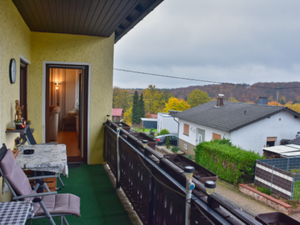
column 117, row 114
column 40, row 40
column 153, row 116
column 249, row 126
column 167, row 121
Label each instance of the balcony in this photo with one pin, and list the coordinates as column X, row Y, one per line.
column 148, row 183
column 155, row 186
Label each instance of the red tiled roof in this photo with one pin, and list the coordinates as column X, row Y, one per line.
column 117, row 111
column 153, row 116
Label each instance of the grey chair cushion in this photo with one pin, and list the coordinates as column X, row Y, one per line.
column 59, row 203
column 15, row 175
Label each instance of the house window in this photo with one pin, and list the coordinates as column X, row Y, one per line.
column 186, row 129
column 271, row 141
column 216, row 136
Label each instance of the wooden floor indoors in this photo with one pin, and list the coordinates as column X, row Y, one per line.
column 70, row 139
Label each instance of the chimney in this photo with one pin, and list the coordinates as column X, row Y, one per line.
column 220, row 100
column 262, row 101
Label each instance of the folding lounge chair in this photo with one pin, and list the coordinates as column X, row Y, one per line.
column 46, row 205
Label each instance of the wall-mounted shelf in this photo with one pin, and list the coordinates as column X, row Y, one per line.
column 20, row 131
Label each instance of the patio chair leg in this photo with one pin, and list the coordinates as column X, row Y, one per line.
column 62, row 183
column 65, row 220
column 47, row 213
column 46, row 187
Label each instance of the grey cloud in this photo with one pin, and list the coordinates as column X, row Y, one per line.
column 228, row 37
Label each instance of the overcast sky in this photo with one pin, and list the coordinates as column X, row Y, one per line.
column 224, row 41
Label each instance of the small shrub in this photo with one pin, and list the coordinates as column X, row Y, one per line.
column 175, row 149
column 293, row 203
column 296, row 193
column 224, row 141
column 164, row 131
column 264, row 190
column 295, row 170
column 143, row 128
column 189, row 157
column 168, row 144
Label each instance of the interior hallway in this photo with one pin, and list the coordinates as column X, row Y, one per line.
column 70, row 139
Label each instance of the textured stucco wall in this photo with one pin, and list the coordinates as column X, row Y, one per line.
column 14, row 41
column 98, row 52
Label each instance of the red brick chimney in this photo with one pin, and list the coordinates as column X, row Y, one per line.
column 220, row 100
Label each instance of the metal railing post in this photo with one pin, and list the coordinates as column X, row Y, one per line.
column 105, row 143
column 118, row 157
column 293, row 185
column 272, row 178
column 189, row 170
column 151, row 202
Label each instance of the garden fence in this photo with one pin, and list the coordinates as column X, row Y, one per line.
column 281, row 176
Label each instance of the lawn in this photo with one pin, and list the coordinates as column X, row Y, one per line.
column 144, row 130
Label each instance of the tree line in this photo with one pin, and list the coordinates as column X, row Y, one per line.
column 141, row 103
column 152, row 101
column 288, row 92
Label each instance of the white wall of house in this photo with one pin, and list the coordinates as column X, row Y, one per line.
column 282, row 125
column 253, row 137
column 192, row 138
column 166, row 121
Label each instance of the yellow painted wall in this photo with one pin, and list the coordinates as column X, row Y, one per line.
column 14, row 41
column 79, row 49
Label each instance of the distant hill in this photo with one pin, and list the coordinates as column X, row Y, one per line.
column 288, row 92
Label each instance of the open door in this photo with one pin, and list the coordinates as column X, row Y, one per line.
column 71, row 122
column 23, row 88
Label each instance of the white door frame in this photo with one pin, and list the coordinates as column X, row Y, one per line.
column 88, row 103
column 197, row 141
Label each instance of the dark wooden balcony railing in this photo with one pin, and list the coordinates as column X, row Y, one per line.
column 156, row 187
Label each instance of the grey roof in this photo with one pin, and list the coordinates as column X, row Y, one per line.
column 296, row 141
column 231, row 116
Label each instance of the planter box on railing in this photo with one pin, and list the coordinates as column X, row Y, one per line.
column 142, row 136
column 201, row 173
column 276, row 218
column 125, row 126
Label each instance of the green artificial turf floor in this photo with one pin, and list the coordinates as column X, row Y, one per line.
column 99, row 202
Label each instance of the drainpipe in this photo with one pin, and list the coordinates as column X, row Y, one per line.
column 177, row 127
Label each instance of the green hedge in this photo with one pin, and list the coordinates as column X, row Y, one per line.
column 229, row 162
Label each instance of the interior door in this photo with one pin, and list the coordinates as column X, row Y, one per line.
column 80, row 113
column 23, row 89
column 82, row 138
